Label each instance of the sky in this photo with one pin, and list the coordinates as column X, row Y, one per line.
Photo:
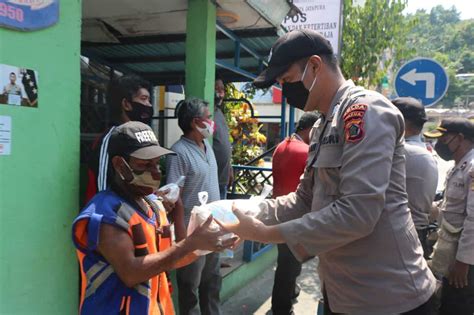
column 466, row 7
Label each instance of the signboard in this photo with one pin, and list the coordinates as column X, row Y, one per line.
column 18, row 86
column 323, row 16
column 28, row 15
column 422, row 78
column 5, row 135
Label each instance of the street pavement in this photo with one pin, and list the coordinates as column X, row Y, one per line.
column 255, row 298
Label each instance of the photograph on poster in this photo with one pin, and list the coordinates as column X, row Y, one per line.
column 18, row 86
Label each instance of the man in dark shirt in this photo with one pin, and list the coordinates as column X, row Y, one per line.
column 221, row 144
column 128, row 99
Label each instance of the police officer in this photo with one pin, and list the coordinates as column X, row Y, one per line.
column 453, row 256
column 421, row 167
column 350, row 208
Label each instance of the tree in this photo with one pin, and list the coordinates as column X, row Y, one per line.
column 441, row 35
column 374, row 35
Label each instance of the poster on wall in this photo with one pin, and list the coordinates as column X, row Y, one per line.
column 323, row 16
column 28, row 15
column 18, row 86
column 5, row 135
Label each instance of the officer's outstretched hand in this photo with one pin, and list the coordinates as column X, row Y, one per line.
column 248, row 228
column 209, row 237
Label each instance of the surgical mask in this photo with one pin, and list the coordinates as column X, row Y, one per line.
column 444, row 151
column 140, row 112
column 296, row 93
column 208, row 130
column 142, row 179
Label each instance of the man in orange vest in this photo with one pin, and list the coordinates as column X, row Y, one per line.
column 123, row 244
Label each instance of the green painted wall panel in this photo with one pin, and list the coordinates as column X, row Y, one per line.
column 201, row 50
column 39, row 180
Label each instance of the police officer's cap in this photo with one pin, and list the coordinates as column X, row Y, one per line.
column 290, row 48
column 453, row 125
column 411, row 109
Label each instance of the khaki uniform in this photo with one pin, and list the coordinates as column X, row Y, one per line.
column 458, row 206
column 350, row 209
column 421, row 182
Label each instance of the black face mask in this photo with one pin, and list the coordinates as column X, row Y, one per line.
column 140, row 112
column 218, row 99
column 296, row 94
column 443, row 150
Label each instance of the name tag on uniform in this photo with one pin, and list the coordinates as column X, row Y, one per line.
column 330, row 139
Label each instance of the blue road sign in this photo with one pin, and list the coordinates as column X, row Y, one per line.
column 422, row 78
column 28, row 15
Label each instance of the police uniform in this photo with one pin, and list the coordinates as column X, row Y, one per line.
column 421, row 169
column 456, row 236
column 350, row 209
column 421, row 183
column 458, row 206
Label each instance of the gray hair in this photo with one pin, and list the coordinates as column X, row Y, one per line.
column 187, row 110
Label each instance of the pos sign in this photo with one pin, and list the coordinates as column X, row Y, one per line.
column 28, row 15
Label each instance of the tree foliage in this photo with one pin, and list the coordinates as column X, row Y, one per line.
column 377, row 39
column 245, row 136
column 374, row 35
column 441, row 34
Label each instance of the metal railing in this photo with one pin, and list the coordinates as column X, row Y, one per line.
column 249, row 181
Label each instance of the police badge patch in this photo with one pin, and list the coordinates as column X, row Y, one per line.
column 354, row 123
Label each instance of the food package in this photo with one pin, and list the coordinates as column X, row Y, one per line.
column 222, row 211
column 173, row 190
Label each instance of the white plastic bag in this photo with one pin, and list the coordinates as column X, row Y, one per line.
column 199, row 215
column 173, row 193
column 222, row 211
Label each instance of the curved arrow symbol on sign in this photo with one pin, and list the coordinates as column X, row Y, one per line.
column 411, row 77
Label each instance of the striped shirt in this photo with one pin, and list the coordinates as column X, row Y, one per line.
column 200, row 169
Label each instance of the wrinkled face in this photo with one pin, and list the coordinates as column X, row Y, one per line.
column 206, row 117
column 12, row 78
column 138, row 167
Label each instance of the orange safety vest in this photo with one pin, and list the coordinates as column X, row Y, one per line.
column 102, row 292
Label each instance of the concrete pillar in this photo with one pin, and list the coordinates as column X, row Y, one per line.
column 201, row 50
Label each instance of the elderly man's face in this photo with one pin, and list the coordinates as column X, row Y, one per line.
column 137, row 167
column 206, row 117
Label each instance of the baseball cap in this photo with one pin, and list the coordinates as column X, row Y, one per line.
column 411, row 109
column 453, row 125
column 307, row 120
column 135, row 139
column 289, row 48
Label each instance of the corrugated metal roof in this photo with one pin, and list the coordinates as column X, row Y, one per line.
column 160, row 59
